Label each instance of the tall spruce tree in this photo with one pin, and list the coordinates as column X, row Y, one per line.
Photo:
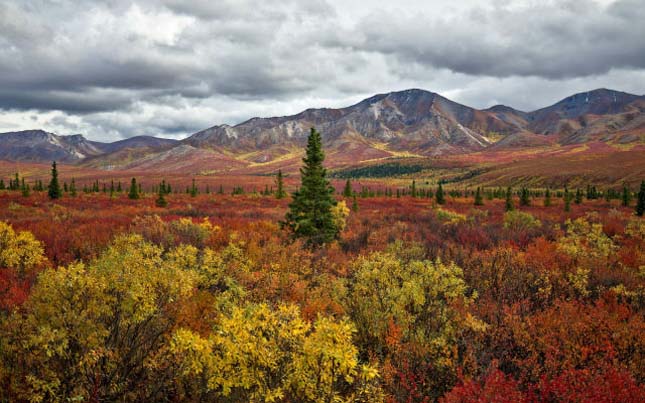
column 134, row 190
column 161, row 199
column 310, row 213
column 24, row 188
column 72, row 188
column 479, row 200
column 439, row 196
column 525, row 197
column 626, row 197
column 640, row 203
column 279, row 183
column 547, row 198
column 578, row 197
column 193, row 189
column 347, row 191
column 54, row 190
column 508, row 205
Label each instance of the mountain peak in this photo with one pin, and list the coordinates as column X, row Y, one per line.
column 600, row 95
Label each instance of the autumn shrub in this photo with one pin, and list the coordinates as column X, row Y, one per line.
column 520, row 221
column 259, row 354
column 412, row 309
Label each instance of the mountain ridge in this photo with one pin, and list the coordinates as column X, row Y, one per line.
column 408, row 122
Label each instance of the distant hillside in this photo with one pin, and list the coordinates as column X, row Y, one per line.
column 410, row 123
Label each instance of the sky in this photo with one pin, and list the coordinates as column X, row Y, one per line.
column 114, row 69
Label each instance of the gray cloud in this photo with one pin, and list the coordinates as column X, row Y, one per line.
column 558, row 40
column 113, row 68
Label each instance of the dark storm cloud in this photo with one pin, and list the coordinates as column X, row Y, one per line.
column 117, row 68
column 551, row 40
column 74, row 102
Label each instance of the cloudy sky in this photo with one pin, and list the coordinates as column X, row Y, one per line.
column 114, row 69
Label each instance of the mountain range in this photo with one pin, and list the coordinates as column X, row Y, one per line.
column 410, row 123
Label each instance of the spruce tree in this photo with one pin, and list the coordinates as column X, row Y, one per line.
column 134, row 190
column 193, row 189
column 640, row 203
column 310, row 215
column 578, row 198
column 509, row 200
column 354, row 204
column 626, row 196
column 2, row 186
column 525, row 197
column 72, row 188
column 24, row 188
column 279, row 182
column 413, row 189
column 567, row 200
column 347, row 191
column 439, row 196
column 54, row 190
column 15, row 185
column 161, row 199
column 547, row 198
column 479, row 201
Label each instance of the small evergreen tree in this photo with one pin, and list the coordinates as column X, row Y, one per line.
column 54, row 190
column 354, row 204
column 133, row 193
column 72, row 188
column 547, row 198
column 161, row 199
column 525, row 197
column 626, row 197
column 347, row 191
column 567, row 200
column 2, row 185
column 578, row 197
column 508, row 206
column 479, row 200
column 119, row 188
column 413, row 189
column 24, row 188
column 279, row 182
column 310, row 213
column 15, row 184
column 221, row 190
column 193, row 189
column 640, row 203
column 439, row 196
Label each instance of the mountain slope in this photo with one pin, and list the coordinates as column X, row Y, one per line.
column 574, row 112
column 414, row 121
column 41, row 146
column 410, row 123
